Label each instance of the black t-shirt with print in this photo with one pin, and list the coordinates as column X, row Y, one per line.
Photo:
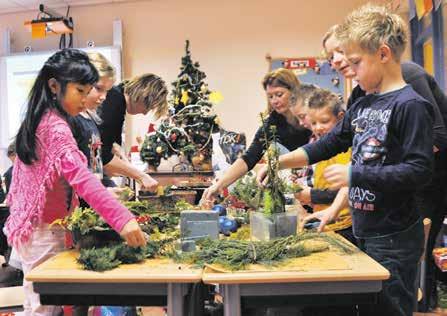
column 88, row 138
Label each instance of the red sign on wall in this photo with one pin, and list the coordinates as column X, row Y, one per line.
column 300, row 63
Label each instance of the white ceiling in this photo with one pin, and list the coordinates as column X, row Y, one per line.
column 12, row 6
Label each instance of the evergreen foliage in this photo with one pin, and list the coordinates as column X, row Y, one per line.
column 237, row 254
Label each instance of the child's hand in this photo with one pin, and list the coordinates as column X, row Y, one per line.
column 337, row 175
column 132, row 234
column 325, row 216
column 148, row 183
column 303, row 196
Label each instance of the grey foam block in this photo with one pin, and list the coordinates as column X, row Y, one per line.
column 199, row 224
column 285, row 224
column 261, row 227
column 279, row 225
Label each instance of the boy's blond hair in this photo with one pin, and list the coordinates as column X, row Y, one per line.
column 371, row 26
column 284, row 78
column 151, row 90
column 322, row 98
column 102, row 65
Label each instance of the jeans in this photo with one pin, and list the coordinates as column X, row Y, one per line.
column 430, row 203
column 400, row 254
column 348, row 234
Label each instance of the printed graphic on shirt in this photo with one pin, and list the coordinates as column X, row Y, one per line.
column 95, row 156
column 370, row 129
column 361, row 199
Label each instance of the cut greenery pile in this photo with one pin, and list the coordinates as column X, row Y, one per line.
column 238, row 254
column 107, row 258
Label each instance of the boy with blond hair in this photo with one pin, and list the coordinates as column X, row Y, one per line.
column 390, row 131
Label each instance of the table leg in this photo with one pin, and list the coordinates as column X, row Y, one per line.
column 232, row 299
column 175, row 299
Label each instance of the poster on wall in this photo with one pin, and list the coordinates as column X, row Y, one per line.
column 17, row 75
column 313, row 70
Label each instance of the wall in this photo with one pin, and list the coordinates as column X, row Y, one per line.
column 229, row 38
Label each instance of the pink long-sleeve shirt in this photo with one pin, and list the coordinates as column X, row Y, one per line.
column 41, row 192
column 76, row 175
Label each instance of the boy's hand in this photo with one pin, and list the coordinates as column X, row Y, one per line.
column 337, row 175
column 132, row 234
column 261, row 176
column 325, row 216
column 303, row 196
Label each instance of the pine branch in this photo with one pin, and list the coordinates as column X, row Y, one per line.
column 237, row 254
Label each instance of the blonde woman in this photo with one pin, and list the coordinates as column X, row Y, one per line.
column 139, row 95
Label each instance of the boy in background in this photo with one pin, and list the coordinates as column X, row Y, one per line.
column 325, row 111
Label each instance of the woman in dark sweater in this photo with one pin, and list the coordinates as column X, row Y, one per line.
column 281, row 87
column 140, row 95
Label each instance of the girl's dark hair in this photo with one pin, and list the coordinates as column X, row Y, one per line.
column 66, row 66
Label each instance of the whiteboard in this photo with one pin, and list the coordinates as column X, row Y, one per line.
column 17, row 75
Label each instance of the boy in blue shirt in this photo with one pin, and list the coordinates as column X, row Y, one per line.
column 390, row 131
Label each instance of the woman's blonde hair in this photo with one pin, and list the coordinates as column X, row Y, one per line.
column 151, row 90
column 104, row 67
column 330, row 32
column 371, row 26
column 284, row 78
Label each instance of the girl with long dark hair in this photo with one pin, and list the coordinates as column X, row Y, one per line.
column 50, row 170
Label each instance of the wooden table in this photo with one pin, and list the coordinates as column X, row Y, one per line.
column 156, row 282
column 358, row 284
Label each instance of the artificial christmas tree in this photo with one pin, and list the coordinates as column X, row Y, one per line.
column 191, row 121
